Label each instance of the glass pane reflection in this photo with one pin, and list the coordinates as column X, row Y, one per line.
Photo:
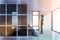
column 22, row 27
column 32, row 32
column 22, row 9
column 9, row 20
column 2, row 20
column 11, row 8
column 11, row 31
column 22, row 32
column 2, row 30
column 22, row 20
column 2, row 8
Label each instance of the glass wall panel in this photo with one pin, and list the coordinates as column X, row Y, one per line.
column 22, row 32
column 9, row 20
column 22, row 9
column 2, row 8
column 11, row 31
column 2, row 30
column 11, row 8
column 2, row 20
column 22, row 20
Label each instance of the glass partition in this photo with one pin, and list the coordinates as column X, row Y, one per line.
column 2, row 8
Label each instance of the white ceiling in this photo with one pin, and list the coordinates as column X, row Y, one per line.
column 45, row 6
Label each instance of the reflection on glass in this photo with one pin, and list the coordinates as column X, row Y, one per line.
column 2, row 8
column 9, row 20
column 2, row 20
column 22, row 27
column 56, row 20
column 22, row 32
column 2, row 30
column 11, row 31
column 22, row 8
column 32, row 32
column 11, row 8
column 22, row 20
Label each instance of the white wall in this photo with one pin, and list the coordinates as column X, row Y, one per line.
column 55, row 4
column 47, row 22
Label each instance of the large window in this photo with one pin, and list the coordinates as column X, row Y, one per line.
column 14, row 22
column 35, row 19
column 56, row 20
column 13, row 19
